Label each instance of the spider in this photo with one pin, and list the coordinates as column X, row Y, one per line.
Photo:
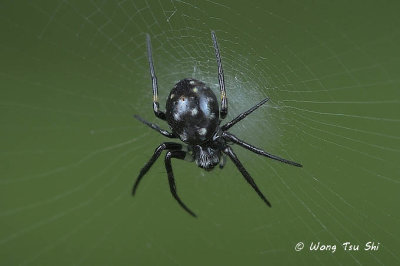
column 194, row 117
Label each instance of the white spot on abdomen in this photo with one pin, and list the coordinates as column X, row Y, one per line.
column 194, row 111
column 183, row 136
column 204, row 106
column 181, row 108
column 202, row 131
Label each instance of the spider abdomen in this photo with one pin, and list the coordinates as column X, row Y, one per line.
column 192, row 111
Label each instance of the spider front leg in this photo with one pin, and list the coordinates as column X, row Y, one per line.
column 222, row 162
column 224, row 100
column 178, row 155
column 234, row 139
column 156, row 106
column 157, row 152
column 228, row 151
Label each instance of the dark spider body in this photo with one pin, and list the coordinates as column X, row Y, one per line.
column 192, row 111
column 193, row 115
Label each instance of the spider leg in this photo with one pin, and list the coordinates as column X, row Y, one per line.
column 156, row 105
column 228, row 150
column 178, row 155
column 243, row 115
column 156, row 128
column 222, row 162
column 224, row 100
column 157, row 152
column 254, row 149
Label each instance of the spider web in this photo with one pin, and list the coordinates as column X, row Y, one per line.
column 74, row 72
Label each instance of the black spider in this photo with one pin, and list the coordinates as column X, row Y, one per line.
column 193, row 116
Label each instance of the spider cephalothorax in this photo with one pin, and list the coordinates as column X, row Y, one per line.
column 207, row 156
column 194, row 117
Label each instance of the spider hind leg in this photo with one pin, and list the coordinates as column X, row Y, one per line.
column 243, row 115
column 221, row 81
column 156, row 105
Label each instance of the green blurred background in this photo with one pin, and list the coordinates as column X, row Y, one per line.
column 73, row 73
